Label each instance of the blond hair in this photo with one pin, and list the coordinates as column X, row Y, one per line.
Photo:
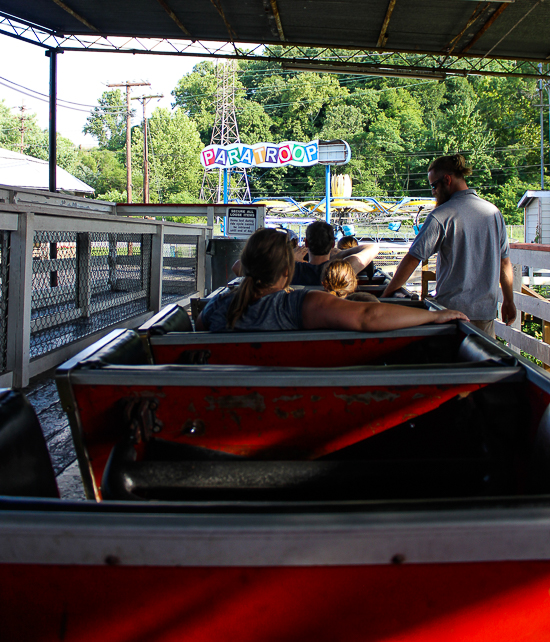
column 339, row 278
column 266, row 257
column 347, row 242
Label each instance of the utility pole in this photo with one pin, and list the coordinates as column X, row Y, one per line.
column 541, row 130
column 144, row 100
column 128, row 84
column 22, row 120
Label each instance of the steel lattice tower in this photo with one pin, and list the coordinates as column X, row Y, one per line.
column 225, row 132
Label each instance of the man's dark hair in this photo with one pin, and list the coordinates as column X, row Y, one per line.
column 455, row 164
column 320, row 238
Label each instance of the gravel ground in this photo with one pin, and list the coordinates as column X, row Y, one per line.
column 42, row 394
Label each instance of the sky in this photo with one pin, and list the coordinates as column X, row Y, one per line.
column 81, row 78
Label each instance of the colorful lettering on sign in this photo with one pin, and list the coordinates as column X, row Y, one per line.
column 271, row 154
column 246, row 156
column 221, row 157
column 298, row 153
column 208, row 156
column 285, row 155
column 260, row 154
column 312, row 152
column 233, row 156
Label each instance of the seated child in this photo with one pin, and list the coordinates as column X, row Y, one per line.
column 338, row 277
column 346, row 242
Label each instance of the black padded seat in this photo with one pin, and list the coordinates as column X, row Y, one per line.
column 25, row 466
column 125, row 350
column 177, row 320
column 475, row 348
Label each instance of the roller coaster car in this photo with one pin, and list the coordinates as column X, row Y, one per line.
column 434, row 411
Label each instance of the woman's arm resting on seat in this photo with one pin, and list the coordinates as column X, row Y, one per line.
column 322, row 311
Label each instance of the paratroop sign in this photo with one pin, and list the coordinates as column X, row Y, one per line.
column 260, row 155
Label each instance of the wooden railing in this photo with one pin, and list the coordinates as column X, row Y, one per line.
column 528, row 302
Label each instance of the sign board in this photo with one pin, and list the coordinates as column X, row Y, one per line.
column 241, row 221
column 238, row 155
column 334, row 152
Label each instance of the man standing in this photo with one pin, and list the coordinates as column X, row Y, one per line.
column 469, row 235
column 319, row 244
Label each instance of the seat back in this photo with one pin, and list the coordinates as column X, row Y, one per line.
column 172, row 318
column 126, row 349
column 25, row 466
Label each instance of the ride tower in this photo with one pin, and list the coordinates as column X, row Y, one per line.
column 225, row 132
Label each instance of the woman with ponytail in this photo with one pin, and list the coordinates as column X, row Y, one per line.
column 263, row 300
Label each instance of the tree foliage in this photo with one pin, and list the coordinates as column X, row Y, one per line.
column 395, row 127
column 107, row 121
column 174, row 147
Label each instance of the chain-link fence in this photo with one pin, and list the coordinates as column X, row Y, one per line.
column 4, row 277
column 83, row 282
column 179, row 268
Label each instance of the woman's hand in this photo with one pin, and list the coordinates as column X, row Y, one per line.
column 444, row 316
column 299, row 253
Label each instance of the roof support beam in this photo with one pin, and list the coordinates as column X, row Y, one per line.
column 383, row 38
column 483, row 29
column 275, row 11
column 229, row 28
column 74, row 14
column 477, row 13
column 367, row 70
column 174, row 17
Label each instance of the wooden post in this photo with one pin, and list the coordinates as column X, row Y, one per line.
column 517, row 288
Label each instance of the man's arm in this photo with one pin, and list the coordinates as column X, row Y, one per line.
column 359, row 256
column 237, row 267
column 508, row 309
column 407, row 266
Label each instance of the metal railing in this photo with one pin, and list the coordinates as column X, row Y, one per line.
column 71, row 268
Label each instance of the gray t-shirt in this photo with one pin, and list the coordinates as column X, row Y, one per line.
column 469, row 235
column 278, row 311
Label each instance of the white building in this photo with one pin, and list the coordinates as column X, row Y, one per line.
column 536, row 204
column 18, row 170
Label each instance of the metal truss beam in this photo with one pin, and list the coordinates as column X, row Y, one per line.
column 305, row 57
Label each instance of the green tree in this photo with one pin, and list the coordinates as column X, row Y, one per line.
column 174, row 157
column 195, row 94
column 102, row 170
column 107, row 121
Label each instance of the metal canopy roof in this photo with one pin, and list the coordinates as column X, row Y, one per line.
column 515, row 29
column 498, row 29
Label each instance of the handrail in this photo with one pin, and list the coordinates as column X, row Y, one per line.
column 76, row 268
